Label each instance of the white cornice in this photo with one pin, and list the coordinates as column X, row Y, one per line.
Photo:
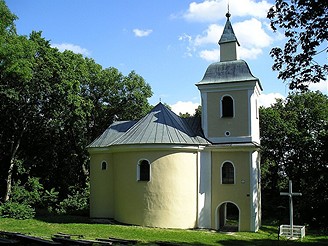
column 145, row 147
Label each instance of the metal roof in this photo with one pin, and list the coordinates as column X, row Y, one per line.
column 228, row 34
column 159, row 126
column 228, row 71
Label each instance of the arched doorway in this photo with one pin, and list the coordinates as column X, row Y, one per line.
column 227, row 217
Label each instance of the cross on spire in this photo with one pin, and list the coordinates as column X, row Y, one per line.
column 290, row 193
column 228, row 13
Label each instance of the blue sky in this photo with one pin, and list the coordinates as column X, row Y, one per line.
column 169, row 43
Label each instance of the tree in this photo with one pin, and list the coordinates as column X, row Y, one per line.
column 7, row 19
column 305, row 25
column 294, row 139
column 53, row 104
column 17, row 108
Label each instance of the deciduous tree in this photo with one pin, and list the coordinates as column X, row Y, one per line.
column 294, row 137
column 305, row 25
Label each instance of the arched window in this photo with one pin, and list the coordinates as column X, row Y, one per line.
column 104, row 165
column 228, row 173
column 227, row 106
column 143, row 170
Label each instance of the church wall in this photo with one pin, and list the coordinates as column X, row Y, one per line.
column 237, row 193
column 168, row 200
column 101, row 186
column 218, row 126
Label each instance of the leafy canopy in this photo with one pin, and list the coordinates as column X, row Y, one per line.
column 305, row 25
column 294, row 139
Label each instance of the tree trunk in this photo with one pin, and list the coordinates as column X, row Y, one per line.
column 85, row 169
column 9, row 179
column 12, row 165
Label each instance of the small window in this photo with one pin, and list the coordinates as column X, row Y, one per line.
column 104, row 165
column 143, row 170
column 228, row 173
column 227, row 106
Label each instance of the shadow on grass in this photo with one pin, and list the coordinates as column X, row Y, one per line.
column 175, row 243
column 255, row 242
column 268, row 242
column 64, row 219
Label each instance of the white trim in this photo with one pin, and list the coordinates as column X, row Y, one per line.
column 246, row 147
column 204, row 216
column 145, row 147
column 254, row 191
column 230, row 86
column 101, row 165
column 234, row 172
column 242, row 139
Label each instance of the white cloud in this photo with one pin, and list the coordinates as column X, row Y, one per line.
column 142, row 33
column 258, row 38
column 211, row 10
column 249, row 53
column 251, row 45
column 209, row 36
column 266, row 100
column 205, row 44
column 321, row 86
column 72, row 47
column 184, row 107
column 204, row 11
column 210, row 55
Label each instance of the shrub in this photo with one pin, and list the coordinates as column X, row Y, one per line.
column 76, row 203
column 16, row 210
column 30, row 193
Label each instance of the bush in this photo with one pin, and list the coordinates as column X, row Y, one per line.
column 30, row 193
column 77, row 203
column 16, row 210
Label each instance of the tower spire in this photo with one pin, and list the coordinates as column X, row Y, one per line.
column 228, row 41
column 228, row 13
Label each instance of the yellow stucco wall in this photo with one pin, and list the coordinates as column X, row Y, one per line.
column 168, row 200
column 101, row 186
column 238, row 193
column 238, row 125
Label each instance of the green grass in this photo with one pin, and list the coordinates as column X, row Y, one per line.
column 46, row 226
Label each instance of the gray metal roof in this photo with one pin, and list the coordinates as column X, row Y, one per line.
column 228, row 34
column 113, row 132
column 226, row 72
column 159, row 126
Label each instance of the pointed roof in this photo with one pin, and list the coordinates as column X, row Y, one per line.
column 228, row 34
column 159, row 126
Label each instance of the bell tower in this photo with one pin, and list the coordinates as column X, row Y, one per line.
column 229, row 95
column 230, row 166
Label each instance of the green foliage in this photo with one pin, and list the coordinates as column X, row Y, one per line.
column 6, row 20
column 16, row 210
column 294, row 135
column 53, row 104
column 30, row 193
column 76, row 203
column 50, row 197
column 304, row 24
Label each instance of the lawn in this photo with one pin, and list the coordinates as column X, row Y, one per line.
column 46, row 226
